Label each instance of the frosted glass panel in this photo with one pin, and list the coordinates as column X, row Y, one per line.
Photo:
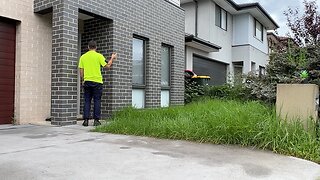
column 138, row 62
column 165, row 66
column 138, row 98
column 259, row 31
column 165, row 98
column 223, row 19
column 218, row 16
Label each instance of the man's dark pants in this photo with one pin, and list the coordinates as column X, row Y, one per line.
column 92, row 90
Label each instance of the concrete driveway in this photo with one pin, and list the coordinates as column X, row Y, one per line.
column 46, row 152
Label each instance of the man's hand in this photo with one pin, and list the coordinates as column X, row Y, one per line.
column 114, row 56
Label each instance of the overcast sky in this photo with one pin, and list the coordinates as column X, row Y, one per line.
column 276, row 8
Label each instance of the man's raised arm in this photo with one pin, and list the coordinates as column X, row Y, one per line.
column 113, row 57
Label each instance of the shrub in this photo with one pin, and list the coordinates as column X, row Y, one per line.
column 192, row 90
column 284, row 67
column 237, row 92
column 313, row 64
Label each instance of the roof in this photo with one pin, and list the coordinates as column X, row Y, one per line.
column 280, row 38
column 281, row 41
column 201, row 44
column 257, row 5
column 255, row 9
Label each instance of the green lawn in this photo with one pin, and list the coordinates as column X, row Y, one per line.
column 220, row 122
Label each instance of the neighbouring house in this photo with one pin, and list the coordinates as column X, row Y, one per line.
column 224, row 38
column 41, row 41
column 278, row 43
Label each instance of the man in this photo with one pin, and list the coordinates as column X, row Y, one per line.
column 90, row 71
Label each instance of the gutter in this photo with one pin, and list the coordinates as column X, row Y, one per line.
column 244, row 6
column 196, row 20
column 192, row 38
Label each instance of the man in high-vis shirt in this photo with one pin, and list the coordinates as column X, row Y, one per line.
column 90, row 71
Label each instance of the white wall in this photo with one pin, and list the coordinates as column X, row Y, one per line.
column 223, row 38
column 244, row 28
column 259, row 57
column 242, row 53
column 209, row 31
column 248, row 54
column 190, row 17
column 246, row 47
column 241, row 29
column 204, row 19
column 261, row 45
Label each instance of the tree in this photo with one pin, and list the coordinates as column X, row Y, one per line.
column 305, row 27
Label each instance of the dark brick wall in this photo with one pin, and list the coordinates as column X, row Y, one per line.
column 158, row 20
column 64, row 64
column 101, row 31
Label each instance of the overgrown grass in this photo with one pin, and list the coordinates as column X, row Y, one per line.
column 220, row 122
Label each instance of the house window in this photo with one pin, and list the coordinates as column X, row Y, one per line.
column 165, row 75
column 262, row 71
column 253, row 67
column 138, row 72
column 258, row 33
column 238, row 72
column 221, row 17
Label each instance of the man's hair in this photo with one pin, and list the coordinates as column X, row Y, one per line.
column 92, row 45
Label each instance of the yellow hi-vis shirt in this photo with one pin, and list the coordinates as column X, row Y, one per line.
column 91, row 63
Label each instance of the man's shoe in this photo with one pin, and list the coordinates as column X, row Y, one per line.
column 85, row 122
column 96, row 123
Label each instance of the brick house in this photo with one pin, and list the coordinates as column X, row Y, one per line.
column 41, row 41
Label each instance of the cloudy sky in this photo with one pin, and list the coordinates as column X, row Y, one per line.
column 276, row 8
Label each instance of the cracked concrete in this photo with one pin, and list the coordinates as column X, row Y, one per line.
column 46, row 152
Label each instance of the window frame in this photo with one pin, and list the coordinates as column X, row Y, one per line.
column 262, row 71
column 135, row 85
column 167, row 88
column 255, row 30
column 219, row 10
column 170, row 67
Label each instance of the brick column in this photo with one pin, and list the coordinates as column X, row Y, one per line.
column 153, row 74
column 177, row 76
column 121, row 72
column 64, row 64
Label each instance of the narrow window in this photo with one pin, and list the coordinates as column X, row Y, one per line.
column 253, row 67
column 262, row 71
column 221, row 18
column 238, row 72
column 138, row 72
column 165, row 75
column 258, row 33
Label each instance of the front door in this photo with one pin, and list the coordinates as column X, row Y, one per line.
column 7, row 70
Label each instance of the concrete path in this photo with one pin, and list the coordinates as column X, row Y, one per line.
column 45, row 152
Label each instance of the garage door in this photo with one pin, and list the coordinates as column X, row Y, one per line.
column 216, row 70
column 7, row 70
